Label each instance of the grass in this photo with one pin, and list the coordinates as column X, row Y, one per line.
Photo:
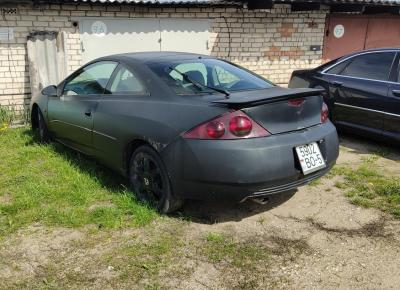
column 366, row 186
column 239, row 254
column 142, row 261
column 54, row 186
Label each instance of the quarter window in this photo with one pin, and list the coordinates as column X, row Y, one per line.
column 374, row 66
column 125, row 82
column 337, row 69
column 91, row 80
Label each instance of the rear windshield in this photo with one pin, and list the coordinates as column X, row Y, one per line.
column 213, row 73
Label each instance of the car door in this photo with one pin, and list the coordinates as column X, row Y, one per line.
column 358, row 89
column 118, row 115
column 71, row 114
column 391, row 114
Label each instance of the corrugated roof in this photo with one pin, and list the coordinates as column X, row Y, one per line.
column 161, row 2
column 225, row 2
column 330, row 2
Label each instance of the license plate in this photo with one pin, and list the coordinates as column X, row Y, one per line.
column 310, row 158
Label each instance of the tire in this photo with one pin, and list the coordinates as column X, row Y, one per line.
column 44, row 135
column 149, row 180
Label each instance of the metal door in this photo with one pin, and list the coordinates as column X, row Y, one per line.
column 349, row 33
column 102, row 37
column 383, row 32
column 344, row 34
column 185, row 35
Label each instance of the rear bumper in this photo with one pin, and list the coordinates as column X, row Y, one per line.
column 237, row 169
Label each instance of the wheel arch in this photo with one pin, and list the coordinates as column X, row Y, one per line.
column 128, row 151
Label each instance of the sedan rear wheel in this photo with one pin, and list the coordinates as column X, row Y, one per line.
column 150, row 181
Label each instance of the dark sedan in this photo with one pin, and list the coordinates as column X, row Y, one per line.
column 182, row 125
column 362, row 91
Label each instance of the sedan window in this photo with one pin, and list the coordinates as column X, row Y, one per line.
column 337, row 69
column 374, row 66
column 91, row 80
column 125, row 82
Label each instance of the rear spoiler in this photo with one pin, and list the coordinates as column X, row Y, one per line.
column 274, row 94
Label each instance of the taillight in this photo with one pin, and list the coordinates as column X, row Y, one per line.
column 324, row 113
column 240, row 126
column 215, row 129
column 232, row 125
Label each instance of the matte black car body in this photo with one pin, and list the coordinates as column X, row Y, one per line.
column 363, row 105
column 110, row 128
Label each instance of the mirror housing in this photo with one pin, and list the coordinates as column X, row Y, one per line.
column 50, row 91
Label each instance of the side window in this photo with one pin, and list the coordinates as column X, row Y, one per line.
column 375, row 66
column 195, row 71
column 337, row 69
column 125, row 82
column 92, row 79
column 223, row 77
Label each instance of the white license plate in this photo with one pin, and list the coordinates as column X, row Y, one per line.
column 310, row 158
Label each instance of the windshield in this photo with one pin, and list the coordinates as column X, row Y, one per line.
column 211, row 73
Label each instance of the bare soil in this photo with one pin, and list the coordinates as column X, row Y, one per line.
column 315, row 238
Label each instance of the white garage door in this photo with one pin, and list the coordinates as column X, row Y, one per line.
column 104, row 37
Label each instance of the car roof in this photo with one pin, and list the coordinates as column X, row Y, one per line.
column 156, row 56
column 370, row 50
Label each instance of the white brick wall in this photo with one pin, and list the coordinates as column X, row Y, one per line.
column 270, row 42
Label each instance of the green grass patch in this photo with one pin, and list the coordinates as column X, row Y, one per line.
column 55, row 186
column 369, row 188
column 242, row 255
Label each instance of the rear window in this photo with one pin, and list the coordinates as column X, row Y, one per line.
column 207, row 73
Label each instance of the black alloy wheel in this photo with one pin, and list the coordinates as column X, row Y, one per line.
column 150, row 181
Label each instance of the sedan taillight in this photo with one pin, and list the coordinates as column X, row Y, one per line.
column 324, row 113
column 233, row 125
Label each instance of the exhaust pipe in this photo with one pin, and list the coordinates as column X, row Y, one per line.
column 260, row 199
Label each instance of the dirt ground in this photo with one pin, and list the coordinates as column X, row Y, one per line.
column 315, row 238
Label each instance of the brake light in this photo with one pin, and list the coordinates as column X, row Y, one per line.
column 240, row 126
column 324, row 113
column 215, row 129
column 296, row 102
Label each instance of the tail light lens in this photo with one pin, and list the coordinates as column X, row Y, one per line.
column 240, row 126
column 324, row 113
column 233, row 125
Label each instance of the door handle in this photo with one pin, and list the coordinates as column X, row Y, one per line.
column 88, row 112
column 337, row 84
column 396, row 93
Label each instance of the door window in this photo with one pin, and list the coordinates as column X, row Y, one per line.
column 91, row 80
column 374, row 66
column 125, row 82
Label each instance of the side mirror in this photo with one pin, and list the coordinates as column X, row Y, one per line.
column 50, row 91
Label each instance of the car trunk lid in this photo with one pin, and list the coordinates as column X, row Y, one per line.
column 279, row 110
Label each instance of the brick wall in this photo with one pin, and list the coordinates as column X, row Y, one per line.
column 270, row 42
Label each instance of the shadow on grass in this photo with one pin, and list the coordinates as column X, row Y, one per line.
column 106, row 177
column 207, row 212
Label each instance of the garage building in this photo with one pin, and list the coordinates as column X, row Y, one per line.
column 41, row 41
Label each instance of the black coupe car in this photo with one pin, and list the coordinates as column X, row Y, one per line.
column 362, row 91
column 182, row 125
